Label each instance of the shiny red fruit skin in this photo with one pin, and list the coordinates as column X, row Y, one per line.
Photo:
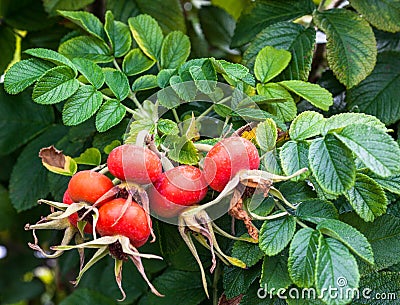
column 88, row 186
column 73, row 219
column 228, row 157
column 133, row 224
column 177, row 188
column 134, row 164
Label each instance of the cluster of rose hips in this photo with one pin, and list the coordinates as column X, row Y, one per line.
column 119, row 210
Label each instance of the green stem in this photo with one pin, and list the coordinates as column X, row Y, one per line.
column 302, row 224
column 217, row 275
column 176, row 115
column 129, row 110
column 116, row 65
column 207, row 111
column 132, row 97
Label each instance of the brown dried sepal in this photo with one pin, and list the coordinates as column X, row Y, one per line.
column 52, row 156
column 236, row 211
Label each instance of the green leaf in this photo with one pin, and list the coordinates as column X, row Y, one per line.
column 379, row 288
column 135, row 62
column 118, row 34
column 164, row 76
column 24, row 73
column 302, row 257
column 237, row 281
column 169, row 14
column 71, row 5
column 375, row 148
column 306, row 125
column 21, row 120
column 185, row 90
column 145, row 82
column 261, row 14
column 28, row 182
column 233, row 71
column 233, row 7
column 391, row 183
column 82, row 105
column 349, row 236
column 342, row 120
column 284, row 108
column 55, row 86
column 332, row 164
column 8, row 215
column 266, row 135
column 313, row 93
column 381, row 14
column 110, row 114
column 367, row 198
column 86, row 47
column 84, row 296
column 174, row 284
column 248, row 253
column 8, row 42
column 316, row 210
column 147, row 34
column 270, row 162
column 90, row 71
column 205, row 77
column 376, row 95
column 217, row 26
column 175, row 50
column 87, row 21
column 270, row 62
column 384, row 236
column 293, row 37
column 181, row 150
column 51, row 56
column 123, row 9
column 275, row 273
column 118, row 83
column 90, row 156
column 351, row 47
column 168, row 98
column 257, row 115
column 297, row 192
column 336, row 268
column 167, row 127
column 294, row 156
column 276, row 234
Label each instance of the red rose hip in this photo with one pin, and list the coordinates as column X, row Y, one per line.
column 177, row 188
column 134, row 164
column 88, row 186
column 132, row 224
column 227, row 158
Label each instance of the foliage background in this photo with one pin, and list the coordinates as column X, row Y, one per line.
column 220, row 29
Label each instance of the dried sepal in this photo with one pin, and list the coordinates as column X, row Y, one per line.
column 121, row 249
column 199, row 225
